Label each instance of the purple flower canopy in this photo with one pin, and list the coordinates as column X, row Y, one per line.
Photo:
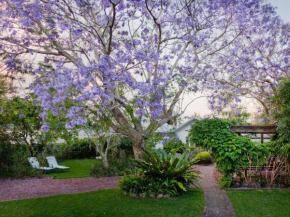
column 134, row 60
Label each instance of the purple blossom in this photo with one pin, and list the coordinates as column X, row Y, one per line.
column 106, row 65
column 45, row 127
column 21, row 116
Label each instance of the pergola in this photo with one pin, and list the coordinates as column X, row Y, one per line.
column 255, row 129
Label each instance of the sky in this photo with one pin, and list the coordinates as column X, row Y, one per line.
column 283, row 8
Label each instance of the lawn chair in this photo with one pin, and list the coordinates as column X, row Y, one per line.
column 53, row 163
column 35, row 164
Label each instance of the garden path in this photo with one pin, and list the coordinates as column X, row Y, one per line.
column 217, row 203
column 15, row 189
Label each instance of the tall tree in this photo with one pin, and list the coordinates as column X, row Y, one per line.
column 129, row 60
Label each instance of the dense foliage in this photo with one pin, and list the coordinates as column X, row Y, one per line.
column 14, row 161
column 160, row 173
column 76, row 149
column 174, row 146
column 232, row 152
column 282, row 115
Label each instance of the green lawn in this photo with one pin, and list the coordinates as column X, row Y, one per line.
column 78, row 168
column 261, row 203
column 105, row 203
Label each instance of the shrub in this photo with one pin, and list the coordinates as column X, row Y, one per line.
column 78, row 148
column 133, row 184
column 161, row 173
column 117, row 168
column 126, row 146
column 148, row 185
column 225, row 182
column 8, row 150
column 203, row 157
column 21, row 167
column 174, row 146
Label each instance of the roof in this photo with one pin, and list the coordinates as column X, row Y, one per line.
column 267, row 129
column 167, row 127
column 164, row 128
column 186, row 123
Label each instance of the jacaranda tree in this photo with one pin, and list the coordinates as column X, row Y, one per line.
column 129, row 60
column 252, row 66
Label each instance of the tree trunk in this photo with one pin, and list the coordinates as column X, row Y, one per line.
column 105, row 161
column 137, row 149
column 103, row 155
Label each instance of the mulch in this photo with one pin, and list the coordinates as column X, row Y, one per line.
column 15, row 189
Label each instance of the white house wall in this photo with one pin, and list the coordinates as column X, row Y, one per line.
column 183, row 133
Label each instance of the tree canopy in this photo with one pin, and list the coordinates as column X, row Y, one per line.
column 130, row 60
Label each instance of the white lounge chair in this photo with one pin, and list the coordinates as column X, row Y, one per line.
column 35, row 164
column 53, row 163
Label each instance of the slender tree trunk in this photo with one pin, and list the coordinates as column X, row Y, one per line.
column 103, row 155
column 105, row 161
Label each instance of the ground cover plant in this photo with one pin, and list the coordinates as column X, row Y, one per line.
column 262, row 203
column 110, row 203
column 160, row 173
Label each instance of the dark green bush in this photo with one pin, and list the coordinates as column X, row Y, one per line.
column 21, row 167
column 126, row 145
column 161, row 173
column 203, row 157
column 7, row 153
column 78, row 149
column 117, row 168
column 174, row 146
column 18, row 165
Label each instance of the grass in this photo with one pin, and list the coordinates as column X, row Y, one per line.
column 109, row 203
column 78, row 168
column 261, row 203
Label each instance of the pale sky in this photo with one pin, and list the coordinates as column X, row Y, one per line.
column 283, row 8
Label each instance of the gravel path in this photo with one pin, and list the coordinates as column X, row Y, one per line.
column 217, row 202
column 15, row 189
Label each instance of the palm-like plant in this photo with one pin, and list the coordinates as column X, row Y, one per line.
column 159, row 164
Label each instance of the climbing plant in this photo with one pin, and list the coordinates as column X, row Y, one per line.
column 232, row 152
